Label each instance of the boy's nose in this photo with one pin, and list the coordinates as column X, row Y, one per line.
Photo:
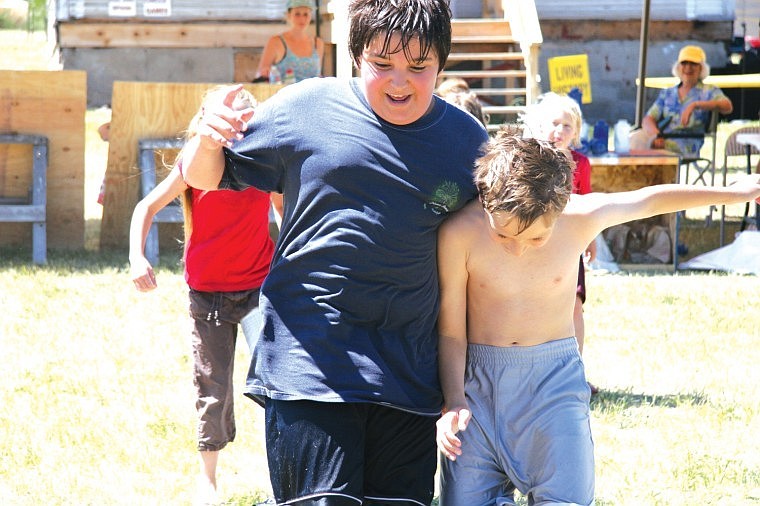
column 515, row 248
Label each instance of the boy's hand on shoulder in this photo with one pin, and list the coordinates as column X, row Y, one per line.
column 450, row 423
column 219, row 124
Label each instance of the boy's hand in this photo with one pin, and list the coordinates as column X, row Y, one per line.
column 447, row 426
column 220, row 125
column 142, row 275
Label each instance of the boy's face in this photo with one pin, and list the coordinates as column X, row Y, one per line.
column 503, row 228
column 560, row 130
column 399, row 91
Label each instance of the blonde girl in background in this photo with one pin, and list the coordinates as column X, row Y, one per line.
column 558, row 119
column 295, row 49
column 227, row 254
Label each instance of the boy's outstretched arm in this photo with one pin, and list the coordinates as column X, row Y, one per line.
column 649, row 201
column 452, row 340
column 218, row 127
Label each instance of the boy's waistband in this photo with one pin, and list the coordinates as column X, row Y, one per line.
column 514, row 355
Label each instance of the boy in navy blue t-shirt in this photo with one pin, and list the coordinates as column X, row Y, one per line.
column 346, row 365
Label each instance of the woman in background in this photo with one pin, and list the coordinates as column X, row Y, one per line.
column 294, row 49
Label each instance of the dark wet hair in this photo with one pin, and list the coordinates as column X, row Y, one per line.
column 426, row 21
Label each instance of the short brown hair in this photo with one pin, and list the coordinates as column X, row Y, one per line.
column 526, row 178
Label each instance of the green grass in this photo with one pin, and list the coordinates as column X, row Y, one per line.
column 98, row 403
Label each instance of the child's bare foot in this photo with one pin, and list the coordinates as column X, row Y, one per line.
column 205, row 492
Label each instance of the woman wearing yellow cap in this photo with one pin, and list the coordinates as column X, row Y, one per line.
column 686, row 107
column 295, row 51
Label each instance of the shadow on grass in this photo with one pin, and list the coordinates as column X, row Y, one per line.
column 616, row 400
column 79, row 260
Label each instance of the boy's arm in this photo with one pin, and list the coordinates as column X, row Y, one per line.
column 614, row 208
column 141, row 272
column 218, row 127
column 452, row 340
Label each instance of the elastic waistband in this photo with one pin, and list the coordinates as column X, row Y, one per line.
column 516, row 355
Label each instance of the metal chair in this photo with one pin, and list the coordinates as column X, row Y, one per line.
column 733, row 148
column 701, row 164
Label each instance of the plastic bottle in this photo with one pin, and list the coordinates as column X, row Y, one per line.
column 290, row 77
column 622, row 133
column 600, row 142
column 274, row 76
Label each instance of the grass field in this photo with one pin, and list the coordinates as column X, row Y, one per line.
column 98, row 405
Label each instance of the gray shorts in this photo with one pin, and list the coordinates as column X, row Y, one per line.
column 529, row 431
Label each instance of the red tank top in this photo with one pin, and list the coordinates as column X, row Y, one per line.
column 230, row 248
column 582, row 174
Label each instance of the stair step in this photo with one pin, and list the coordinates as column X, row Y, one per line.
column 500, row 91
column 485, row 74
column 483, row 39
column 463, row 27
column 486, row 56
column 503, row 109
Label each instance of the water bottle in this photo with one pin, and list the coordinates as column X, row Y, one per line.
column 274, row 76
column 576, row 94
column 290, row 77
column 600, row 141
column 622, row 133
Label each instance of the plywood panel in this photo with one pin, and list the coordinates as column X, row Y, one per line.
column 143, row 110
column 53, row 104
column 175, row 35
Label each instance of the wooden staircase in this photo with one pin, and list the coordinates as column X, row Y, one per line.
column 485, row 53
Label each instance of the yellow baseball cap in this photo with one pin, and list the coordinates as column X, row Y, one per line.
column 693, row 54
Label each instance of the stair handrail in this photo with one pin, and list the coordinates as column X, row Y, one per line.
column 526, row 29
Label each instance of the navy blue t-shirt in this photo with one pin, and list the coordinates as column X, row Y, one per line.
column 351, row 301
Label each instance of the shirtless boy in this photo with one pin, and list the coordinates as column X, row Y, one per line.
column 511, row 373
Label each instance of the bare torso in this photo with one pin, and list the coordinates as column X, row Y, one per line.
column 520, row 300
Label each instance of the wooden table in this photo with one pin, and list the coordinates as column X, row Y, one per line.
column 614, row 172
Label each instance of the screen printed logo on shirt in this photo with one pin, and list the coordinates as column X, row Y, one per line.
column 444, row 198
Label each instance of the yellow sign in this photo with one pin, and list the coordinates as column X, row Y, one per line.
column 568, row 72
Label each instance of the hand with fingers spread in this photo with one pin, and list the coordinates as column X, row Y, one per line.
column 451, row 422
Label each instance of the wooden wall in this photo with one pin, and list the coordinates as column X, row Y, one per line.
column 53, row 104
column 142, row 110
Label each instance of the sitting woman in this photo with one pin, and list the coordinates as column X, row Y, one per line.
column 295, row 49
column 686, row 107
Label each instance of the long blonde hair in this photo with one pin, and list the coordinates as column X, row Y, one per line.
column 243, row 100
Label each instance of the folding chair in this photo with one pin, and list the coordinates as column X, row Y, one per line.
column 700, row 164
column 733, row 148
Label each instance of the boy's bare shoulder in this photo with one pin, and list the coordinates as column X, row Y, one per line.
column 466, row 217
column 462, row 226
